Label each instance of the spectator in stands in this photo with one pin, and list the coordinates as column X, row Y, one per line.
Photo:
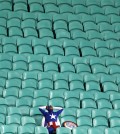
column 51, row 118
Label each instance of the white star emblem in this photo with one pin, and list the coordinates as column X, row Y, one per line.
column 52, row 116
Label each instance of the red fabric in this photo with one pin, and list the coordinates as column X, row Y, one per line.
column 53, row 125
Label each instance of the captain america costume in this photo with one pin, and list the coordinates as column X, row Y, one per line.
column 51, row 118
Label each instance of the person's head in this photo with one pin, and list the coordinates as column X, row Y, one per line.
column 49, row 108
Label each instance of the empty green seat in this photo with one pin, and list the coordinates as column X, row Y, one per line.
column 84, row 121
column 63, row 130
column 101, row 18
column 90, row 26
column 13, row 120
column 80, row 9
column 36, row 7
column 44, row 24
column 104, row 104
column 100, row 121
column 114, row 122
column 28, row 121
column 22, row 7
column 77, row 2
column 8, row 129
column 111, row 10
column 65, row 8
column 94, row 9
column 95, row 130
column 45, row 33
column 62, row 34
column 79, row 130
column 25, row 129
column 5, row 6
column 45, row 2
column 111, row 131
column 107, row 3
column 41, row 130
column 51, row 8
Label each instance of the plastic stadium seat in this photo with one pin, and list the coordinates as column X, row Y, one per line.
column 34, row 1
column 3, row 110
column 55, row 48
column 5, row 6
column 40, row 102
column 14, row 22
column 13, row 119
column 116, row 27
column 35, row 64
column 30, row 75
column 86, row 18
column 90, row 26
column 68, row 114
column 50, row 64
column 39, row 47
column 65, row 8
column 80, row 9
column 114, row 96
column 104, row 104
column 44, row 16
column 63, row 130
column 41, row 130
column 79, row 130
column 28, row 23
column 94, row 9
column 114, row 69
column 87, row 51
column 100, row 121
column 109, row 87
column 88, row 104
column 101, row 95
column 12, row 15
column 99, row 113
column 41, row 93
column 5, row 62
column 112, row 61
column 117, row 3
column 15, row 32
column 103, row 26
column 60, row 24
column 93, row 2
column 8, row 129
column 114, row 122
column 101, row 44
column 117, row 53
column 3, row 22
column 77, row 2
column 65, row 64
column 36, row 7
column 26, row 93
column 28, row 121
column 97, row 68
column 84, row 113
column 111, row 131
column 44, row 24
column 84, row 121
column 75, row 25
column 60, row 82
column 30, row 32
column 78, row 34
column 13, row 111
column 45, row 2
column 113, row 113
column 68, row 2
column 94, row 35
column 62, row 34
column 113, row 44
column 56, row 98
column 22, row 7
column 94, row 130
column 116, row 104
column 20, row 63
column 111, row 10
column 45, row 81
column 25, row 129
column 114, row 18
column 11, row 96
column 71, row 48
column 104, row 52
column 86, row 95
column 101, row 18
column 76, row 83
column 3, row 31
column 51, row 8
column 17, row 1
column 74, row 17
column 3, row 103
column 45, row 33
column 2, row 121
column 85, row 43
column 107, row 3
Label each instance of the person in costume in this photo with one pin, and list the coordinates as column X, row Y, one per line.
column 51, row 117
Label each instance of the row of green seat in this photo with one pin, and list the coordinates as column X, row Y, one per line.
column 68, row 18
column 54, row 64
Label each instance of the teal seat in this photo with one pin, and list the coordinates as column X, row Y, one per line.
column 104, row 104
column 35, row 64
column 93, row 35
column 40, row 102
column 60, row 24
column 26, row 93
column 10, row 49
column 39, row 47
column 36, row 7
column 107, row 3
column 41, row 130
column 78, row 34
column 63, row 130
column 12, row 15
column 84, row 121
column 75, row 25
column 90, row 26
column 17, row 1
column 117, row 3
column 55, row 48
column 13, row 111
column 3, row 102
column 51, row 8
column 117, row 53
column 116, row 104
column 111, row 10
column 45, row 33
column 113, row 113
column 101, row 18
column 3, row 31
column 101, row 95
column 50, row 64
column 93, row 2
column 86, row 18
column 30, row 75
column 3, row 110
column 79, row 130
column 34, row 1
column 100, row 121
column 87, row 51
column 8, row 129
column 65, row 8
column 84, row 113
column 30, row 32
column 28, row 121
column 44, row 16
column 105, row 27
column 45, row 2
column 80, row 9
column 3, row 22
column 114, row 18
column 107, row 78
column 116, row 43
column 101, row 44
column 113, row 69
column 14, row 22
column 15, row 32
column 20, row 7
column 95, row 9
column 62, row 34
column 77, row 2
column 111, row 131
column 44, row 24
column 2, row 121
column 100, row 113
column 95, row 130
column 114, row 96
column 28, row 23
column 13, row 120
column 29, row 16
column 6, row 6
column 85, row 43
column 25, row 129
column 41, row 93
column 88, row 104
column 114, row 122
column 74, row 17
column 86, row 95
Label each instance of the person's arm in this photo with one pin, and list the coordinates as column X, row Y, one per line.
column 60, row 109
column 57, row 108
column 41, row 108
